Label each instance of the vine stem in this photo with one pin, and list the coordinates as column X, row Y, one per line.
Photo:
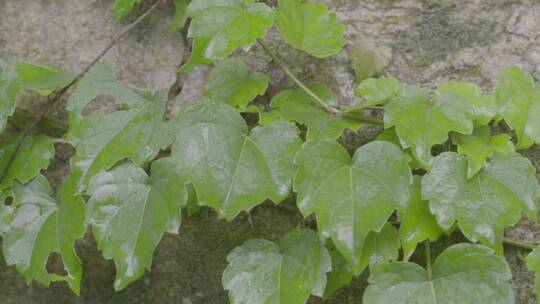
column 427, row 251
column 520, row 244
column 329, row 109
column 54, row 98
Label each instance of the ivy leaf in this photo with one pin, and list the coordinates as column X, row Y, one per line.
column 377, row 90
column 533, row 263
column 310, row 27
column 358, row 198
column 42, row 79
column 229, row 169
column 35, row 153
column 480, row 145
column 457, row 274
column 9, row 86
column 129, row 212
column 486, row 203
column 484, row 107
column 340, row 275
column 220, row 27
column 180, row 14
column 230, row 82
column 421, row 123
column 40, row 225
column 123, row 7
column 518, row 97
column 262, row 272
column 417, row 222
column 390, row 135
column 296, row 105
column 101, row 140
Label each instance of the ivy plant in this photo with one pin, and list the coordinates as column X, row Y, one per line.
column 443, row 162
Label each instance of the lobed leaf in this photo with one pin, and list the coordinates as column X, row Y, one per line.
column 9, row 86
column 260, row 271
column 484, row 107
column 377, row 90
column 42, row 79
column 463, row 273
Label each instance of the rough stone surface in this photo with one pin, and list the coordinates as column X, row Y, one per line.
column 418, row 41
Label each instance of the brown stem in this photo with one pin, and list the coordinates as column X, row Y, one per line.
column 54, row 98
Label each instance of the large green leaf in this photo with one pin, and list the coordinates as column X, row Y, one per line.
column 129, row 212
column 421, row 123
column 262, row 272
column 231, row 170
column 220, row 27
column 486, row 203
column 9, row 86
column 417, row 223
column 40, row 225
column 518, row 98
column 296, row 105
column 231, row 82
column 35, row 153
column 463, row 273
column 484, row 107
column 310, row 27
column 42, row 79
column 100, row 139
column 355, row 198
column 533, row 263
column 480, row 145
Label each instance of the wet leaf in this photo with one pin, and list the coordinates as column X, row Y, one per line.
column 9, row 86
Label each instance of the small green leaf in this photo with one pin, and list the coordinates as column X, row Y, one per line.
column 296, row 105
column 357, row 197
column 484, row 107
column 262, row 272
column 40, row 225
column 9, row 87
column 129, row 212
column 377, row 90
column 310, row 27
column 42, row 79
column 35, row 153
column 180, row 14
column 518, row 98
column 421, row 123
column 220, row 27
column 417, row 222
column 463, row 273
column 229, row 168
column 230, row 82
column 486, row 203
column 480, row 145
column 123, row 7
column 533, row 263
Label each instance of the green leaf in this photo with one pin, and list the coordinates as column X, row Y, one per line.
column 180, row 15
column 230, row 82
column 220, row 27
column 533, row 263
column 101, row 140
column 310, row 27
column 417, row 223
column 390, row 135
column 518, row 98
column 296, row 105
column 377, row 90
column 421, row 123
column 231, row 170
column 35, row 153
column 129, row 212
column 480, row 145
column 123, row 7
column 463, row 273
column 355, row 198
column 9, row 87
column 42, row 79
column 262, row 272
column 486, row 203
column 484, row 107
column 40, row 225
column 340, row 275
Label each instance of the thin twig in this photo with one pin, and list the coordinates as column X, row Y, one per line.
column 54, row 98
column 520, row 244
column 329, row 109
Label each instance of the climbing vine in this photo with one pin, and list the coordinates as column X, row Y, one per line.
column 444, row 161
